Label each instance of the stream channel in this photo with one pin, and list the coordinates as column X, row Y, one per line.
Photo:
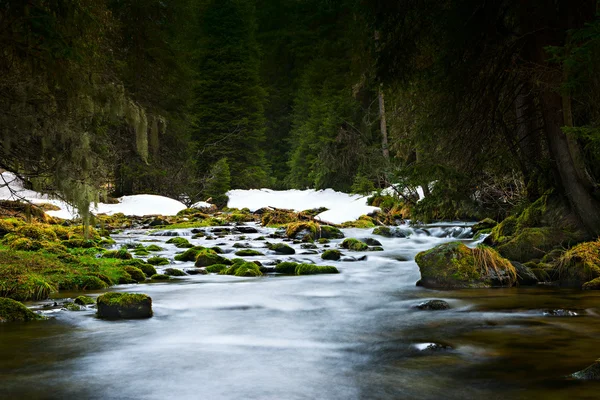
column 353, row 335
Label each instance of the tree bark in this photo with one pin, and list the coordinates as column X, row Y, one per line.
column 383, row 125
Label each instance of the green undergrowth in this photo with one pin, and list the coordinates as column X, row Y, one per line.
column 27, row 275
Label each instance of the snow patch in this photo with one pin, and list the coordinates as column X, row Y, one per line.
column 342, row 206
column 137, row 205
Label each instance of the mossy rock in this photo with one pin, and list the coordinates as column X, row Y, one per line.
column 302, row 230
column 248, row 253
column 384, row 231
column 159, row 261
column 84, row 300
column 216, row 268
column 141, row 252
column 245, row 269
column 376, row 248
column 106, row 242
column 121, row 254
column 218, row 250
column 454, row 265
column 354, row 245
column 484, row 225
column 594, row 284
column 324, row 241
column 286, row 267
column 330, row 232
column 332, row 255
column 579, row 265
column 207, row 257
column 502, row 232
column 25, row 244
column 79, row 243
column 124, row 306
column 532, row 243
column 90, row 282
column 154, row 247
column 14, row 311
column 189, row 254
column 73, row 307
column 179, row 242
column 312, row 269
column 281, row 248
column 160, row 277
column 147, row 269
column 174, row 272
column 136, row 274
column 591, row 373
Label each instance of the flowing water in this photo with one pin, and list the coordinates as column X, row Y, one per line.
column 355, row 335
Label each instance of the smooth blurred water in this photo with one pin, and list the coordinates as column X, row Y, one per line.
column 355, row 335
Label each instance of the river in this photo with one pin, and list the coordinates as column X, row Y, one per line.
column 355, row 335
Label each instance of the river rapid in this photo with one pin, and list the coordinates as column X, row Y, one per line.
column 354, row 335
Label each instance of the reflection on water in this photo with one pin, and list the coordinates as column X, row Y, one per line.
column 349, row 336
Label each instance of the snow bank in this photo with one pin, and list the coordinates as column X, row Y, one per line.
column 342, row 206
column 137, row 205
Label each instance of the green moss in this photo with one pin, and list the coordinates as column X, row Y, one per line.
column 158, row 261
column 217, row 250
column 180, row 242
column 73, row 307
column 364, row 222
column 329, row 232
column 324, row 241
column 246, row 269
column 124, row 305
column 286, row 267
column 594, row 284
column 248, row 253
column 147, row 269
column 174, row 272
column 354, row 245
column 154, row 247
column 281, row 248
column 121, row 254
column 106, row 242
column 532, row 243
column 486, row 225
column 454, row 265
column 384, row 231
column 136, row 274
column 311, row 269
column 189, row 254
column 160, row 277
column 302, row 230
column 78, row 243
column 207, row 257
column 141, row 252
column 13, row 311
column 332, row 255
column 532, row 216
column 25, row 244
column 216, row 268
column 502, row 232
column 84, row 300
column 579, row 264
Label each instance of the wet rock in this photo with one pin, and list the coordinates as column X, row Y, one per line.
column 354, row 245
column 590, row 373
column 432, row 347
column 309, row 252
column 158, row 222
column 84, row 300
column 207, row 257
column 160, row 277
column 484, row 225
column 242, row 246
column 332, row 255
column 372, row 242
column 248, row 253
column 124, row 306
column 560, row 313
column 196, row 231
column 196, row 271
column 454, row 265
column 245, row 229
column 594, row 284
column 376, row 248
column 309, row 246
column 434, row 305
column 73, row 307
column 281, row 248
column 525, row 276
column 174, row 272
column 268, row 269
column 221, row 231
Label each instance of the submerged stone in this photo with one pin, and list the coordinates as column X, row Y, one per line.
column 124, row 306
column 434, row 305
column 590, row 373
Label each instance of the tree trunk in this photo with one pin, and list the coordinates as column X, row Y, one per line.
column 383, row 125
column 582, row 202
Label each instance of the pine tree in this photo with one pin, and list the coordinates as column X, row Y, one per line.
column 228, row 108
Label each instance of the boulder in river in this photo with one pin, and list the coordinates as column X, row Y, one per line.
column 124, row 306
column 433, row 305
column 281, row 248
column 332, row 255
column 454, row 265
column 354, row 245
column 525, row 276
column 590, row 373
column 14, row 311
